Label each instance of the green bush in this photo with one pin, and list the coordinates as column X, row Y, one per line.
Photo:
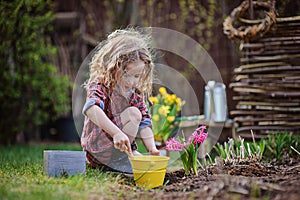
column 31, row 90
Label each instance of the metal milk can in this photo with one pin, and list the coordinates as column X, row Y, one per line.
column 220, row 103
column 215, row 103
column 208, row 100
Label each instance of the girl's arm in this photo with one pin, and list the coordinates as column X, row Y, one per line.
column 98, row 117
column 148, row 140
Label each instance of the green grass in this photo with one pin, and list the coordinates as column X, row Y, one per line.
column 21, row 177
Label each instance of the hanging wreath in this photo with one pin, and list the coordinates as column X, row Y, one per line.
column 259, row 27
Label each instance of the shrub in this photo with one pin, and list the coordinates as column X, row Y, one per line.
column 31, row 89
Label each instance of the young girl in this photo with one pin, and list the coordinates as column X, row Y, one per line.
column 115, row 110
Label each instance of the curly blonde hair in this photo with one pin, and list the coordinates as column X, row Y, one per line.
column 113, row 54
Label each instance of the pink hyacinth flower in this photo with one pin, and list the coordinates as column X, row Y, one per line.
column 174, row 145
column 198, row 136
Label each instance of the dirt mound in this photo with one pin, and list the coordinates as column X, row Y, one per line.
column 239, row 181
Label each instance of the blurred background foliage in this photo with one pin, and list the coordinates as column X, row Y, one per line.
column 32, row 91
column 43, row 44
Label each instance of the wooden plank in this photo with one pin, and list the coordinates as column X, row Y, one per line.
column 262, row 113
column 241, row 77
column 279, row 80
column 276, row 128
column 273, row 69
column 263, row 103
column 252, row 112
column 275, row 123
column 265, row 87
column 252, row 117
column 287, row 19
column 286, row 75
column 269, row 123
column 269, row 58
column 257, row 135
column 294, row 78
column 283, row 85
column 274, row 51
column 271, row 85
column 264, row 64
column 269, row 118
column 259, row 98
column 265, row 92
column 279, row 20
column 276, row 108
column 58, row 163
column 189, row 121
column 263, row 45
column 287, row 31
column 274, row 38
column 200, row 121
column 286, row 48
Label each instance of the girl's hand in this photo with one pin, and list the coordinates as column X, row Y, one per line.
column 121, row 142
column 154, row 152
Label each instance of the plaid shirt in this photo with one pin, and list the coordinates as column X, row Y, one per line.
column 96, row 141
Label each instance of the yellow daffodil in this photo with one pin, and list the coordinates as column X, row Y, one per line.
column 168, row 99
column 164, row 110
column 170, row 118
column 178, row 108
column 173, row 96
column 155, row 117
column 178, row 101
column 154, row 100
column 157, row 138
column 179, row 104
column 162, row 91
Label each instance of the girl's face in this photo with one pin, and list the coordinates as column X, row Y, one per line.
column 132, row 74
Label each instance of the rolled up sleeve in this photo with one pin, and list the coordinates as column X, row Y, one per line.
column 90, row 102
column 96, row 95
column 145, row 123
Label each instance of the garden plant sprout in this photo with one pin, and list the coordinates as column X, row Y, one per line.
column 188, row 149
column 240, row 151
column 279, row 146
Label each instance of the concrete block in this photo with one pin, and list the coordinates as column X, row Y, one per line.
column 58, row 163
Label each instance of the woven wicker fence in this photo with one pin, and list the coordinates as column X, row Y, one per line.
column 267, row 83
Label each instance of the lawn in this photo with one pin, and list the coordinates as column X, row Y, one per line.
column 21, row 175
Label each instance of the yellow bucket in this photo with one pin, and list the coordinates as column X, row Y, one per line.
column 149, row 171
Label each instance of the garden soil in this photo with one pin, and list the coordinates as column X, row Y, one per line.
column 242, row 180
